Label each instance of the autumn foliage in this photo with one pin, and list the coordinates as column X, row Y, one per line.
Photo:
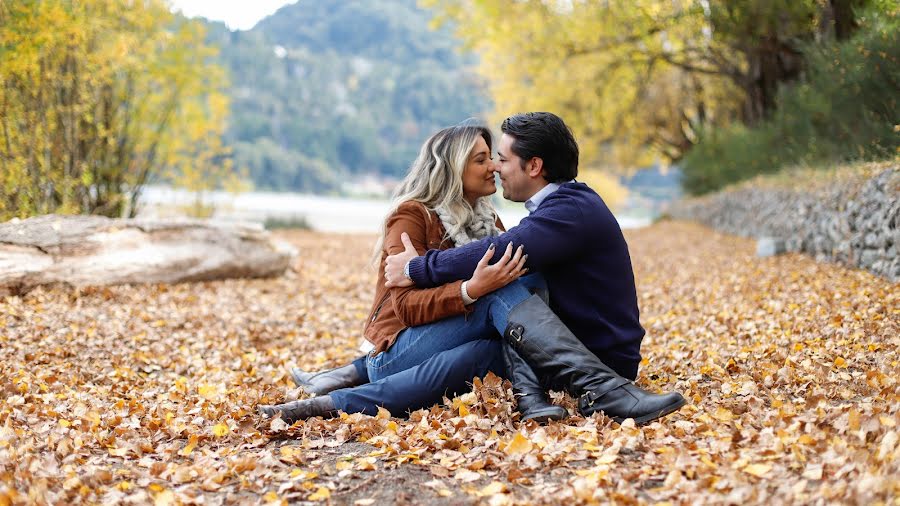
column 147, row 394
column 98, row 98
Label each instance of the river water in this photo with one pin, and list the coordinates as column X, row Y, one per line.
column 327, row 214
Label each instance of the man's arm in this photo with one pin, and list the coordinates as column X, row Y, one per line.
column 552, row 234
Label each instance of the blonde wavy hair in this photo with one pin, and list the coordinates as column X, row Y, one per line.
column 435, row 178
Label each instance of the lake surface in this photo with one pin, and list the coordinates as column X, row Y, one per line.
column 327, row 214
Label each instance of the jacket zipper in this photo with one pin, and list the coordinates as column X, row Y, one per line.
column 378, row 309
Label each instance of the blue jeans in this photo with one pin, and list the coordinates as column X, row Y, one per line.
column 436, row 359
column 487, row 320
column 448, row 373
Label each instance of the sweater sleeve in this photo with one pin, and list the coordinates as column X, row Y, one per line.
column 554, row 233
column 418, row 306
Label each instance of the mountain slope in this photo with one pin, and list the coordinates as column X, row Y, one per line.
column 324, row 90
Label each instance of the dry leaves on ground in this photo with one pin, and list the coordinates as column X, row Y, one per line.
column 147, row 394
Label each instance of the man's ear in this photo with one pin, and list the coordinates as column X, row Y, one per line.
column 535, row 167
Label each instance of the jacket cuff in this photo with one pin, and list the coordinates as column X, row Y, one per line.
column 417, row 272
column 467, row 299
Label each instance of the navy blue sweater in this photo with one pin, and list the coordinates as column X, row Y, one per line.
column 574, row 240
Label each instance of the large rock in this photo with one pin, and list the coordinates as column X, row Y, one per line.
column 93, row 250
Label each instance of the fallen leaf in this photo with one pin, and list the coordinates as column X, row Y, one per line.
column 320, row 495
column 518, row 445
column 758, row 470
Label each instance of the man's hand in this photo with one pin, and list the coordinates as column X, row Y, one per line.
column 394, row 265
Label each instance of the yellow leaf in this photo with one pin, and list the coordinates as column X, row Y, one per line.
column 840, row 362
column 723, row 415
column 342, row 465
column 758, row 470
column 463, row 410
column 366, row 464
column 887, row 421
column 320, row 495
column 391, row 427
column 118, row 452
column 164, row 498
column 188, row 448
column 853, row 419
column 303, row 475
column 806, row 439
column 607, row 459
column 495, row 487
column 220, row 429
column 208, row 392
column 518, row 445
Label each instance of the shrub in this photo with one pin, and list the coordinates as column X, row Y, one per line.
column 844, row 110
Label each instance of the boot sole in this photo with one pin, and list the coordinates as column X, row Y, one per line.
column 671, row 408
column 548, row 415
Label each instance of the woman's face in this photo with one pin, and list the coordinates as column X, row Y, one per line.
column 478, row 177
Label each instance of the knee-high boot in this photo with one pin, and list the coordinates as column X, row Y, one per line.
column 554, row 352
column 531, row 397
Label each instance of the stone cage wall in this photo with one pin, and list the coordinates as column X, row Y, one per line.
column 855, row 222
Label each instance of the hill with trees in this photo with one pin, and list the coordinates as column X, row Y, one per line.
column 325, row 90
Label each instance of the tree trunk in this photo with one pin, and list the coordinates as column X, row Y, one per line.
column 93, row 250
column 769, row 63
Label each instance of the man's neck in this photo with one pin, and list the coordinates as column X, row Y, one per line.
column 535, row 200
column 543, row 185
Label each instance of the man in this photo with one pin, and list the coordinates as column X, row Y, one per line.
column 574, row 241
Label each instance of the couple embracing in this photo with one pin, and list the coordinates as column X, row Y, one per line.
column 548, row 304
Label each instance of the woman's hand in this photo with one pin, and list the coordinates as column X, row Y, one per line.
column 488, row 278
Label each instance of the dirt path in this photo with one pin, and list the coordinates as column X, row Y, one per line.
column 148, row 394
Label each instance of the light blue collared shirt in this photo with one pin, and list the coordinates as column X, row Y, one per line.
column 536, row 199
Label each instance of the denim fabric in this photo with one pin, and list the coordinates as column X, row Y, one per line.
column 488, row 320
column 447, row 373
column 430, row 361
column 361, row 370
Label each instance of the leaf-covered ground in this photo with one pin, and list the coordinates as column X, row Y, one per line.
column 148, row 393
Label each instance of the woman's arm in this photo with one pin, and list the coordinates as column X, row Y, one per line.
column 418, row 306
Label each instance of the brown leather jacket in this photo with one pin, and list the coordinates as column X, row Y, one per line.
column 395, row 309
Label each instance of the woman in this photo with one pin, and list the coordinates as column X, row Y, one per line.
column 443, row 202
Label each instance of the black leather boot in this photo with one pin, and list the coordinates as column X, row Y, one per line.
column 321, row 405
column 320, row 383
column 554, row 353
column 531, row 399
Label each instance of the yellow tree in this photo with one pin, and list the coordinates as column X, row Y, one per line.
column 639, row 79
column 98, row 97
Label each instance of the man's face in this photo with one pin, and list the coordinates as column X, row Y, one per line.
column 517, row 185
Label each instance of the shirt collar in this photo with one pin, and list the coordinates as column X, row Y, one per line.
column 536, row 199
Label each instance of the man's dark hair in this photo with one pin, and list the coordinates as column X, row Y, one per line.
column 544, row 135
